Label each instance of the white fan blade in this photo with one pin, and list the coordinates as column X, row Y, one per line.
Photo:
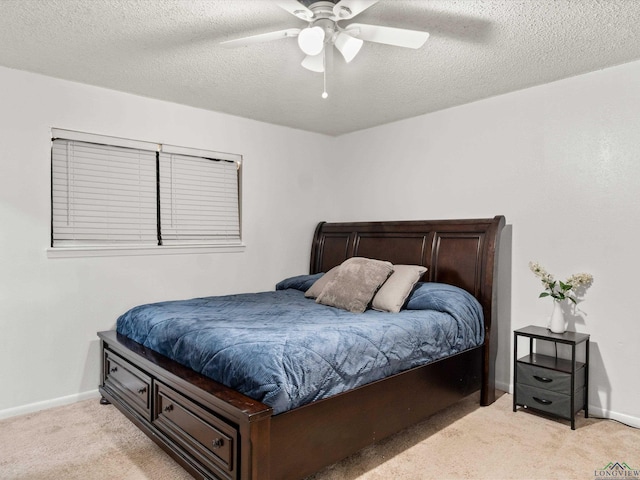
column 347, row 9
column 263, row 37
column 400, row 37
column 315, row 63
column 295, row 8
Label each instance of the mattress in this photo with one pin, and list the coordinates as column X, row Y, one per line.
column 285, row 350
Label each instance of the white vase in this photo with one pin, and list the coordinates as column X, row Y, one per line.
column 556, row 321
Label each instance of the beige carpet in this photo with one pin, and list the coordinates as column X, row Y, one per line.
column 90, row 441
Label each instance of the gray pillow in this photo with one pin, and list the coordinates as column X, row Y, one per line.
column 394, row 292
column 355, row 284
column 319, row 284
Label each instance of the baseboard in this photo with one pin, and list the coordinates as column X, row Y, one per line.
column 504, row 387
column 598, row 412
column 46, row 404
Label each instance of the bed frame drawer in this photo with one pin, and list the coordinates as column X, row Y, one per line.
column 198, row 431
column 127, row 381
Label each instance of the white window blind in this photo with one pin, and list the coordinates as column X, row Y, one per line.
column 106, row 195
column 198, row 200
column 102, row 195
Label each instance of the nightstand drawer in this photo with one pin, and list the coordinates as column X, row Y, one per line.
column 549, row 401
column 548, row 379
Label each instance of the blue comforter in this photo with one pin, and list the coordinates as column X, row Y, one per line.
column 285, row 350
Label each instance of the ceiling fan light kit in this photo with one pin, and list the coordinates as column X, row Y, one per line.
column 311, row 40
column 323, row 32
column 347, row 45
column 314, row 63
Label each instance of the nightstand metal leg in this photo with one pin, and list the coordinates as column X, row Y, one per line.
column 573, row 387
column 515, row 369
column 586, row 381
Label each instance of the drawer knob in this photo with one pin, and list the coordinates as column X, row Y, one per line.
column 542, row 401
column 114, row 369
column 168, row 408
column 142, row 390
column 218, row 442
column 543, row 379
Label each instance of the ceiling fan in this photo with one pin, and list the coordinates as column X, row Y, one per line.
column 323, row 32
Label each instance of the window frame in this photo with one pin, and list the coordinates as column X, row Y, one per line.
column 100, row 250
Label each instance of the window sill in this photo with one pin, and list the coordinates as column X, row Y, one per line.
column 136, row 250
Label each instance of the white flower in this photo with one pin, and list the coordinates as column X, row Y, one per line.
column 560, row 290
column 580, row 279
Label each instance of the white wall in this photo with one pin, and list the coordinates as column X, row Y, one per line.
column 562, row 163
column 51, row 309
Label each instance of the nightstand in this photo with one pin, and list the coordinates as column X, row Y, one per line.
column 549, row 384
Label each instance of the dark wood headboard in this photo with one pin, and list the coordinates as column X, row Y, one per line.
column 458, row 252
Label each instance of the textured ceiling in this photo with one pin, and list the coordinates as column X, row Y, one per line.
column 169, row 49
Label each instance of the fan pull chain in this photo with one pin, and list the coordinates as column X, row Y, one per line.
column 324, row 92
column 324, row 73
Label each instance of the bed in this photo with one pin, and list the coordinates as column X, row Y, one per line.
column 215, row 431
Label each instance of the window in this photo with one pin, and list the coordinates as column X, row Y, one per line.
column 108, row 192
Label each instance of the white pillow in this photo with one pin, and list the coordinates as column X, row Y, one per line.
column 394, row 292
